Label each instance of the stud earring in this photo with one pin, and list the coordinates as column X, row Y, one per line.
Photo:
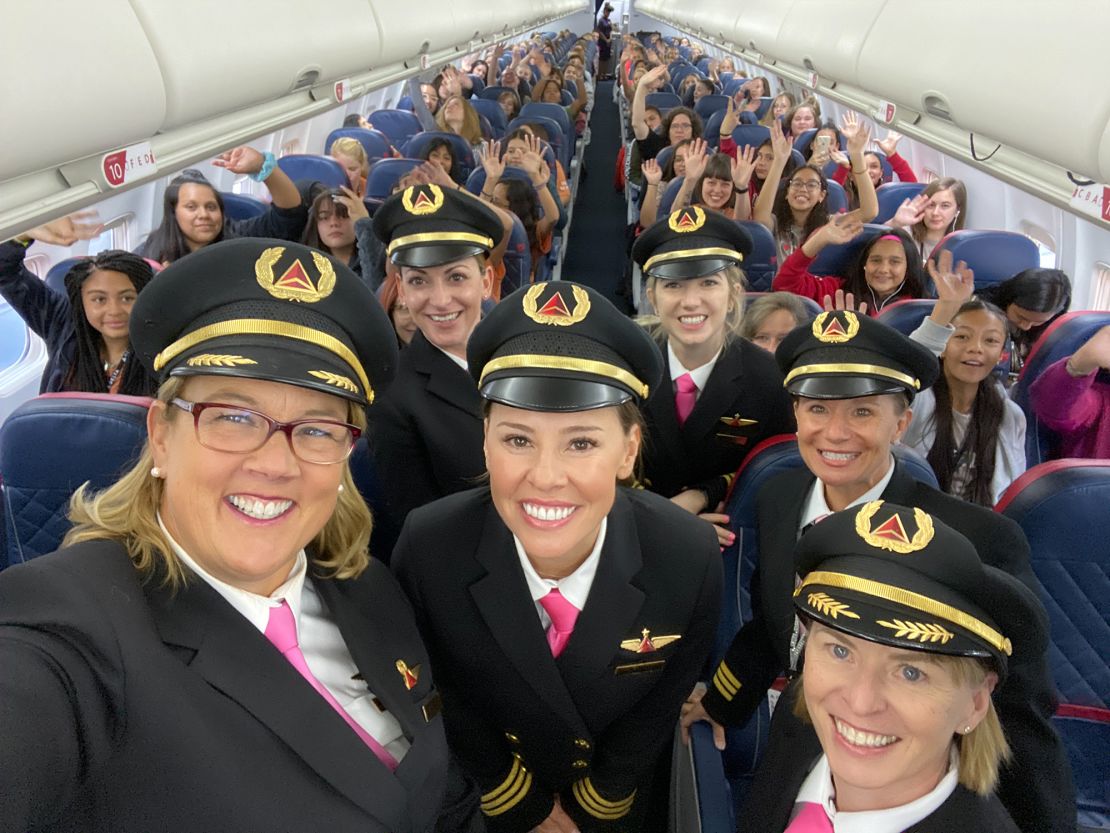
column 155, row 472
column 342, row 488
column 967, row 730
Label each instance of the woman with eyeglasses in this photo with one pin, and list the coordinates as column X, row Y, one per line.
column 212, row 647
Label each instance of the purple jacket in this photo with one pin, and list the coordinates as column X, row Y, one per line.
column 1078, row 409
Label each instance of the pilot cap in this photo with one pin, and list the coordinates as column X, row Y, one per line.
column 690, row 243
column 898, row 576
column 844, row 354
column 427, row 225
column 266, row 309
column 561, row 346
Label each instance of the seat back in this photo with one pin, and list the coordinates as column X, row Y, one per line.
column 398, row 125
column 383, row 178
column 994, row 255
column 557, row 139
column 1060, row 339
column 664, row 156
column 477, row 180
column 664, row 101
column 712, row 131
column 892, row 194
column 310, row 166
column 49, row 446
column 374, row 142
column 750, row 135
column 56, row 274
column 492, row 93
column 707, row 105
column 906, row 316
column 837, row 200
column 760, row 266
column 518, row 258
column 806, row 137
column 555, row 112
column 1061, row 507
column 812, row 308
column 464, row 154
column 836, row 260
column 669, row 194
column 242, row 206
column 492, row 113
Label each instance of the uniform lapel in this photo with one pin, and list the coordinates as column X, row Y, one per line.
column 660, row 407
column 613, row 605
column 778, row 533
column 237, row 660
column 506, row 605
column 715, row 400
column 446, row 380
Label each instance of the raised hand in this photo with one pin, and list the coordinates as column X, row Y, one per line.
column 742, row 167
column 843, row 300
column 839, row 157
column 696, row 158
column 910, row 212
column 65, row 231
column 492, row 162
column 856, row 132
column 781, row 146
column 356, row 208
column 436, row 174
column 653, row 174
column 652, row 75
column 955, row 285
column 731, row 119
column 241, row 160
column 842, row 228
column 889, row 145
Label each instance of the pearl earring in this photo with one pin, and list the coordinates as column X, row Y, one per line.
column 967, row 730
column 155, row 472
column 341, row 488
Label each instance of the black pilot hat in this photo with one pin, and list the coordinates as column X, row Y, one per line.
column 899, row 576
column 266, row 309
column 427, row 225
column 691, row 243
column 561, row 346
column 844, row 354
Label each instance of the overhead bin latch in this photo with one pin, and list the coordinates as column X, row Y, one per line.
column 936, row 105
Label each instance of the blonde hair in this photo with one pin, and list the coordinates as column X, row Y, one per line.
column 471, row 128
column 127, row 512
column 352, row 148
column 734, row 318
column 982, row 750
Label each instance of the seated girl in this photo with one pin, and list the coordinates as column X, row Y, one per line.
column 780, row 106
column 938, row 210
column 716, row 182
column 339, row 224
column 350, row 153
column 769, row 318
column 458, row 116
column 442, row 152
column 85, row 330
column 1072, row 397
column 1032, row 299
column 656, row 180
column 801, row 117
column 972, row 434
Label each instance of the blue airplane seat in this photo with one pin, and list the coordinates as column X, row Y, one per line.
column 711, row 131
column 836, row 260
column 994, row 255
column 555, row 112
column 891, row 196
column 491, row 93
column 752, row 135
column 464, row 154
column 707, row 105
column 1060, row 339
column 383, row 178
column 837, row 199
column 562, row 147
column 242, row 206
column 760, row 266
column 669, row 195
column 518, row 259
column 398, row 125
column 56, row 275
column 49, row 446
column 1061, row 508
column 493, row 113
column 906, row 316
column 310, row 166
column 664, row 156
column 664, row 101
column 374, row 142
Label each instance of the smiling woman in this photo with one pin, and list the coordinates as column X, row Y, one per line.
column 564, row 632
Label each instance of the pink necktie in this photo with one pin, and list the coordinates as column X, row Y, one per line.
column 281, row 630
column 563, row 616
column 686, row 394
column 812, row 819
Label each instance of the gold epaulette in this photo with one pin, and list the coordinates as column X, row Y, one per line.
column 725, row 682
column 509, row 792
column 600, row 808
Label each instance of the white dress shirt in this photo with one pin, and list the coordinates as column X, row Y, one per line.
column 323, row 646
column 818, row 788
column 700, row 375
column 575, row 588
column 817, row 507
column 460, row 362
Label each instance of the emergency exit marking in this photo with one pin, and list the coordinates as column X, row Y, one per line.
column 813, row 80
column 885, row 112
column 424, row 60
column 342, row 90
column 123, row 166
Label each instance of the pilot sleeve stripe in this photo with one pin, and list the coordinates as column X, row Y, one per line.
column 592, row 802
column 726, row 672
column 725, row 682
column 510, row 792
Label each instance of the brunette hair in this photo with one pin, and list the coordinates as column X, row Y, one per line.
column 784, row 215
column 167, row 243
column 959, row 191
column 913, row 285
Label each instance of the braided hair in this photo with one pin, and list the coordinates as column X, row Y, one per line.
column 87, row 371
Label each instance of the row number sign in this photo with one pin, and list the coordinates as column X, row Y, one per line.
column 129, row 164
column 886, row 112
column 342, row 90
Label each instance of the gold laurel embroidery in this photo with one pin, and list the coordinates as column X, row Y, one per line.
column 335, row 379
column 919, row 541
column 264, row 267
column 829, row 606
column 218, row 360
column 531, row 307
column 327, row 274
column 919, row 631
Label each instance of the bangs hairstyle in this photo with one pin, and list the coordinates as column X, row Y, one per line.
column 913, row 285
column 324, row 201
column 718, row 166
column 352, row 148
column 87, row 371
column 980, row 752
column 440, row 142
column 696, row 126
column 167, row 243
column 734, row 317
column 127, row 512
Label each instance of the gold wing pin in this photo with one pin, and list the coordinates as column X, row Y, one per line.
column 736, row 421
column 647, row 643
column 411, row 676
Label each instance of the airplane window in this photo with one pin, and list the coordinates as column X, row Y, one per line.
column 116, row 235
column 1045, row 243
column 1100, row 287
column 37, row 264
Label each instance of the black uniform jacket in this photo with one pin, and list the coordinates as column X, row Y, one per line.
column 791, row 752
column 592, row 725
column 127, row 708
column 743, row 403
column 427, row 440
column 1036, row 787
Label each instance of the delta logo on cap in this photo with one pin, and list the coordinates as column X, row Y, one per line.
column 295, row 283
column 891, row 534
column 835, row 327
column 686, row 220
column 555, row 309
column 422, row 200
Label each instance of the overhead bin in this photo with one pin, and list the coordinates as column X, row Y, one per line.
column 67, row 92
column 1024, row 74
column 759, row 23
column 827, row 38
